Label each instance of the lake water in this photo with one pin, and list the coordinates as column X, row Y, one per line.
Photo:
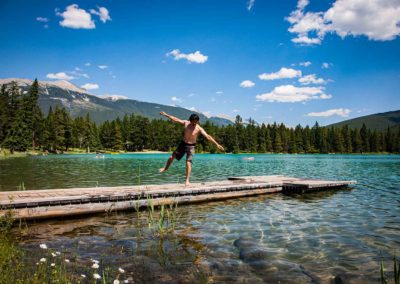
column 318, row 237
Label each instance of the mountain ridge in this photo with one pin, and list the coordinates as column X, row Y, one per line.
column 79, row 101
column 377, row 121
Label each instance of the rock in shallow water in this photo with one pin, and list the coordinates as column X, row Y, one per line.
column 268, row 266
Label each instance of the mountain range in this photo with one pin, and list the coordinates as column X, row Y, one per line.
column 79, row 102
column 377, row 121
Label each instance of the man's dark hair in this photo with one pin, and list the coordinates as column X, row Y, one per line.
column 194, row 117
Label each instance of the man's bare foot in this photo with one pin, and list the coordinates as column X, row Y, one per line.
column 187, row 184
column 162, row 170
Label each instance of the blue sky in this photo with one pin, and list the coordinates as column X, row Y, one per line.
column 301, row 61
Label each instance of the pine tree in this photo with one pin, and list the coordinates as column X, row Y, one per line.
column 4, row 120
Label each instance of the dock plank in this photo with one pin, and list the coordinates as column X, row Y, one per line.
column 49, row 203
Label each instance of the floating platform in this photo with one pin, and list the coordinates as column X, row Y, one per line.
column 53, row 203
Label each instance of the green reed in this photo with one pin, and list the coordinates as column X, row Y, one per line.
column 396, row 272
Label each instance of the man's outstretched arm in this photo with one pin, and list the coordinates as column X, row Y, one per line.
column 173, row 118
column 210, row 138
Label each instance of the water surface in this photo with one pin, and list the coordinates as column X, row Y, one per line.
column 317, row 237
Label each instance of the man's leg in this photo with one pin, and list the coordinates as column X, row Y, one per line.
column 169, row 162
column 188, row 171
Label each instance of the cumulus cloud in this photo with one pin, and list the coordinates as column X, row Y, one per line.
column 193, row 109
column 42, row 19
column 247, row 84
column 103, row 66
column 250, row 4
column 305, row 63
column 281, row 74
column 219, row 92
column 311, row 79
column 343, row 112
column 195, row 57
column 113, row 97
column 326, row 65
column 76, row 18
column 90, row 86
column 176, row 99
column 59, row 76
column 102, row 13
column 376, row 19
column 292, row 94
column 88, row 64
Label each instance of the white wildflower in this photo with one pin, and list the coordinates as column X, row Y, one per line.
column 83, row 275
column 96, row 276
column 95, row 261
column 126, row 281
column 58, row 253
column 43, row 246
column 121, row 270
column 116, row 281
column 53, row 254
column 95, row 266
column 42, row 259
column 67, row 260
column 53, row 264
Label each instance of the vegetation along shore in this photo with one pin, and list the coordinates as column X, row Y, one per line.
column 24, row 127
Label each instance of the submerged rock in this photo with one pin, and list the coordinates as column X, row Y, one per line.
column 269, row 266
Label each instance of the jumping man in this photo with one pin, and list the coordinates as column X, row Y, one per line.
column 192, row 130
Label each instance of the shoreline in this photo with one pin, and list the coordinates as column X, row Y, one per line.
column 5, row 154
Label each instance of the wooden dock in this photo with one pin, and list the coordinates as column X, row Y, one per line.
column 52, row 203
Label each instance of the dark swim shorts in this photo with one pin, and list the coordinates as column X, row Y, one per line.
column 185, row 148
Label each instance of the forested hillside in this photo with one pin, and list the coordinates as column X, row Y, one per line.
column 377, row 121
column 23, row 126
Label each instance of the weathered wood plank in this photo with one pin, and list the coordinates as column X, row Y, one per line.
column 48, row 203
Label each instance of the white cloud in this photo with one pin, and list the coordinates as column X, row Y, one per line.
column 219, row 92
column 42, row 19
column 305, row 63
column 207, row 114
column 343, row 112
column 281, row 74
column 191, row 95
column 292, row 94
column 311, row 79
column 250, row 4
column 195, row 57
column 90, row 86
column 88, row 64
column 247, row 84
column 59, row 76
column 193, row 109
column 103, row 66
column 176, row 99
column 113, row 97
column 76, row 18
column 375, row 19
column 102, row 13
column 326, row 65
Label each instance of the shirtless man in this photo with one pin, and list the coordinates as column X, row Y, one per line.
column 187, row 145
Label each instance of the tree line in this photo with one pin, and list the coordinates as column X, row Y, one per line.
column 23, row 126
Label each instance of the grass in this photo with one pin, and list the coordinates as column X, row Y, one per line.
column 396, row 272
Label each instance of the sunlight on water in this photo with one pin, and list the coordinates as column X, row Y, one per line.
column 317, row 237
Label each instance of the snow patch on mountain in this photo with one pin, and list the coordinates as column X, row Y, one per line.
column 62, row 84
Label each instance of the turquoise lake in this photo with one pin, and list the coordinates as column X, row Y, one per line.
column 325, row 237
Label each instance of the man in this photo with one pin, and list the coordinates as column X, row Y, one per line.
column 187, row 145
